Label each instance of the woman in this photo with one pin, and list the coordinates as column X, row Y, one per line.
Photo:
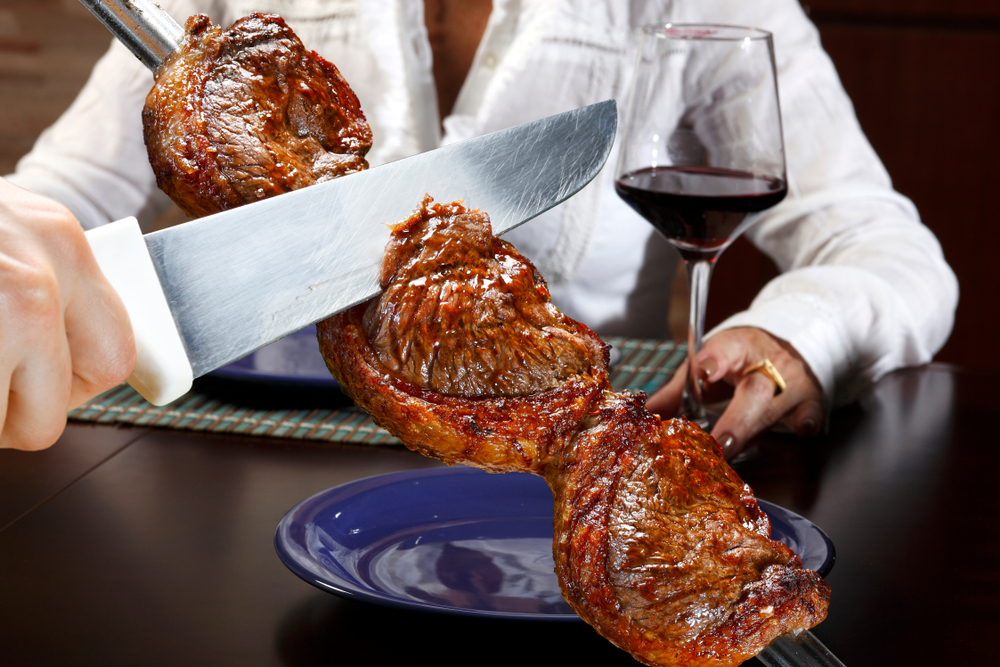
column 864, row 288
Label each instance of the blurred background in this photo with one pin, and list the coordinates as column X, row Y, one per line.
column 924, row 76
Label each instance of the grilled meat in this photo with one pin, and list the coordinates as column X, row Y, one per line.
column 245, row 113
column 658, row 543
column 662, row 548
column 464, row 357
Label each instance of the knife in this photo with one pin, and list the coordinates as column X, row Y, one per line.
column 208, row 292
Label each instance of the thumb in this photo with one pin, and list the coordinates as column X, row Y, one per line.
column 666, row 402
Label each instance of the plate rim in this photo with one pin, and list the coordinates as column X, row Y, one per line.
column 291, row 561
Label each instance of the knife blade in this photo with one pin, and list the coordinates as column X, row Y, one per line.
column 220, row 287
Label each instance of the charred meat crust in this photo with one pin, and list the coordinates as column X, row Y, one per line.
column 476, row 375
column 464, row 314
column 245, row 113
column 663, row 549
column 498, row 434
column 658, row 543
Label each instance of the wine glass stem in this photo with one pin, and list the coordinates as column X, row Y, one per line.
column 699, row 273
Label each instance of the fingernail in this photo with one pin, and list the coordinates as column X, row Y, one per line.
column 708, row 368
column 807, row 428
column 725, row 441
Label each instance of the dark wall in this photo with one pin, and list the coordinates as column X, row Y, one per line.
column 924, row 76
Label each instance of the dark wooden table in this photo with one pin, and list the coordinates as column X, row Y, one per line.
column 126, row 546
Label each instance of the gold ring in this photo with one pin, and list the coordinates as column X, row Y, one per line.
column 765, row 367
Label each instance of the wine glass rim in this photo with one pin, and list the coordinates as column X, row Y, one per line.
column 706, row 31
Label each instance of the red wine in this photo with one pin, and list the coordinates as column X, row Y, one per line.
column 698, row 208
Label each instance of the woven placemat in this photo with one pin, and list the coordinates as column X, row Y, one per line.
column 644, row 365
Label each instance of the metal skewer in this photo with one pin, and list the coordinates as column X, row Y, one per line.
column 798, row 649
column 148, row 31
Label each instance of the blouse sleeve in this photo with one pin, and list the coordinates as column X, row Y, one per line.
column 93, row 159
column 864, row 288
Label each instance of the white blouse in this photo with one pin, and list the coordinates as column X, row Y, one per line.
column 864, row 289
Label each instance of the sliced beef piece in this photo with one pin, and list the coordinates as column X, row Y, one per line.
column 662, row 547
column 463, row 356
column 245, row 113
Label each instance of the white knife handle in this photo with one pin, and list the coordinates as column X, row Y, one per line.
column 162, row 370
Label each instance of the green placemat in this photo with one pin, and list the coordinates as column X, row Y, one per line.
column 644, row 365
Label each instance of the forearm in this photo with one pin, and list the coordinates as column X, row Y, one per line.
column 93, row 160
column 868, row 292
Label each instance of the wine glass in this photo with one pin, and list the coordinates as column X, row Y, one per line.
column 702, row 150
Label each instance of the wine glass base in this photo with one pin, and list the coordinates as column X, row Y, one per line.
column 706, row 416
column 694, row 412
column 701, row 421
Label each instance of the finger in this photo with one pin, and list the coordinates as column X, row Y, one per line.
column 745, row 412
column 808, row 419
column 36, row 370
column 64, row 335
column 723, row 358
column 100, row 340
column 37, row 395
column 753, row 409
column 714, row 362
column 666, row 402
column 5, row 374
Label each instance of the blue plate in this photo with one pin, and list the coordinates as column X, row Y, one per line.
column 456, row 540
column 293, row 360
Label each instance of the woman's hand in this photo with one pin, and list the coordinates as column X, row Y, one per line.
column 64, row 334
column 754, row 407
